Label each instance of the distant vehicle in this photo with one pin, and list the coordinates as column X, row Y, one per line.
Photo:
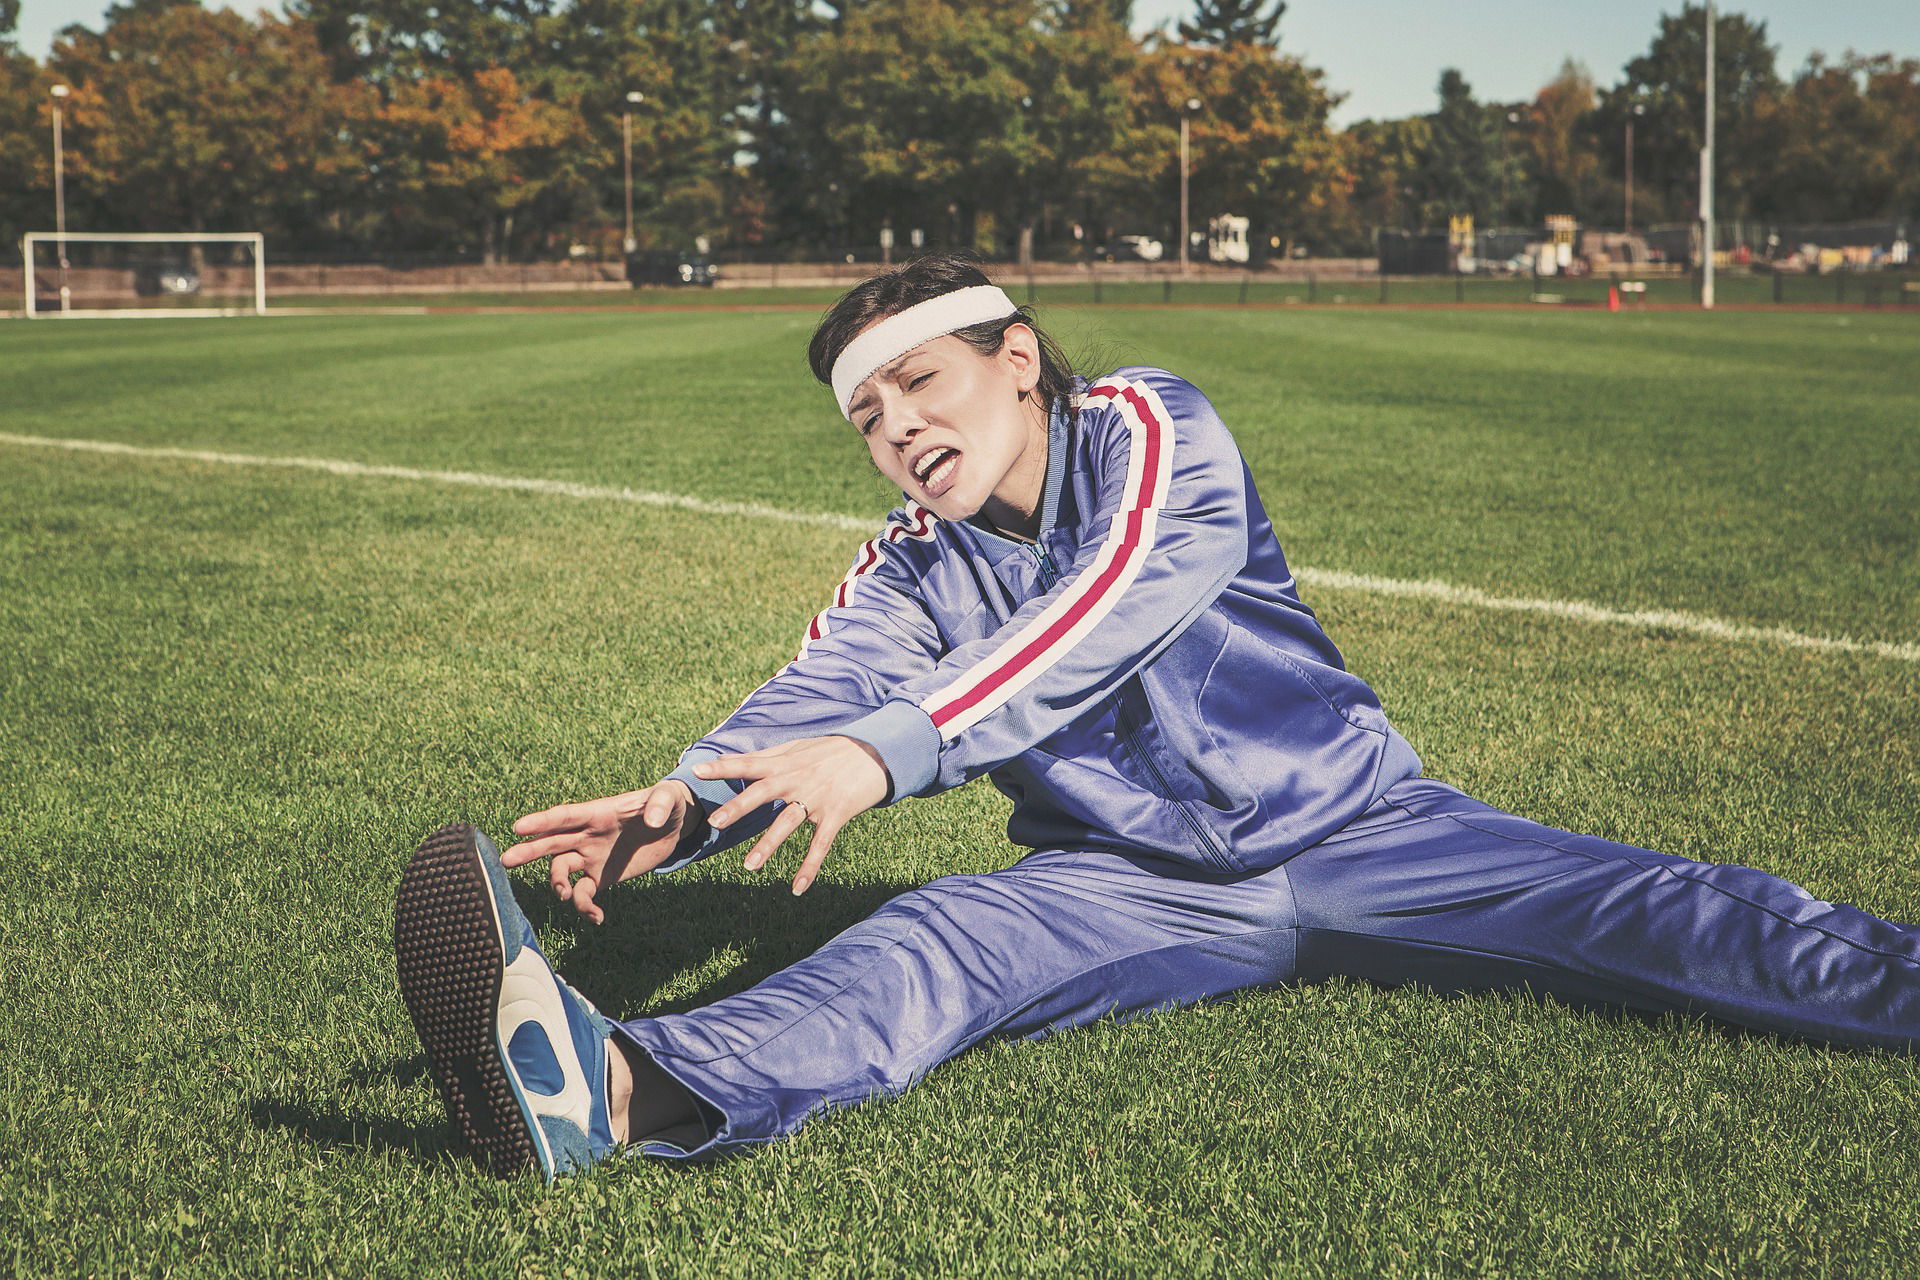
column 168, row 279
column 671, row 267
column 1227, row 238
column 1130, row 249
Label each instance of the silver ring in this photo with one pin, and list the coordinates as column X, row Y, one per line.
column 796, row 804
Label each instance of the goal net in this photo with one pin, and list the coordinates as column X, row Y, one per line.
column 156, row 273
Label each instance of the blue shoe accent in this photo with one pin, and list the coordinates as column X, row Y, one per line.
column 533, row 1059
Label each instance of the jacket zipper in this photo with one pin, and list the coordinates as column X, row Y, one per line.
column 1209, row 847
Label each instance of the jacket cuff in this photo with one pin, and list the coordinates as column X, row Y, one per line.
column 701, row 840
column 908, row 744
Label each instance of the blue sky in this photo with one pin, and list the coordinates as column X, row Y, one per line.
column 1386, row 55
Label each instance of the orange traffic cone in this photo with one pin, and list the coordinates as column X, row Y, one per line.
column 1613, row 297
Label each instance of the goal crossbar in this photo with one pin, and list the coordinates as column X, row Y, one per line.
column 63, row 238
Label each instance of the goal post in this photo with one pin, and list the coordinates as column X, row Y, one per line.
column 144, row 273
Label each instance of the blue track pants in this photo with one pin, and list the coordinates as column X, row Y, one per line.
column 1429, row 886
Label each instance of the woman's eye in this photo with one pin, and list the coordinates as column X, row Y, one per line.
column 867, row 425
column 914, row 383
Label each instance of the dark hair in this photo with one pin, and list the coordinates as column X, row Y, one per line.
column 926, row 277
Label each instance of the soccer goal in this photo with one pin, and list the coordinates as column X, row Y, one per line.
column 145, row 273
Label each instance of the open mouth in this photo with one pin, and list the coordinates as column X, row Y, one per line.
column 936, row 469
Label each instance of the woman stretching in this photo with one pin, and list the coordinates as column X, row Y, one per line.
column 1082, row 597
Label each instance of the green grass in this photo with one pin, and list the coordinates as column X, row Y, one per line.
column 236, row 697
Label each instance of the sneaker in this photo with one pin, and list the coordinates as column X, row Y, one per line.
column 520, row 1057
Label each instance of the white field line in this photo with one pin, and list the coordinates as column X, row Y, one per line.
column 474, row 479
column 1646, row 619
column 1330, row 579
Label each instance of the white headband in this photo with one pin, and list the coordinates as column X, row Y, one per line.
column 901, row 332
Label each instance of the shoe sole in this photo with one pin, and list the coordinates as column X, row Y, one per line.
column 446, row 943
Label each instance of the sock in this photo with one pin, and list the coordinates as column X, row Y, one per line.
column 661, row 1110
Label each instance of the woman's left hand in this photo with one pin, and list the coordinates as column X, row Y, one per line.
column 825, row 781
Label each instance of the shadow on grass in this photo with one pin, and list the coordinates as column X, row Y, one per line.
column 331, row 1127
column 655, row 930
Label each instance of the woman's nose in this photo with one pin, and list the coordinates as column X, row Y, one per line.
column 900, row 423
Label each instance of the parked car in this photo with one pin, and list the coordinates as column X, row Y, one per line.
column 670, row 266
column 1130, row 249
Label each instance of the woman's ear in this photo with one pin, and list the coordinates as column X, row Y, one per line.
column 1020, row 349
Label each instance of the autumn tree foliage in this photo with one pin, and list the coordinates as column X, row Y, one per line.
column 469, row 151
column 26, row 167
column 477, row 127
column 183, row 119
column 1564, row 169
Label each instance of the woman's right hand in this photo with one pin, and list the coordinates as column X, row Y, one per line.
column 601, row 842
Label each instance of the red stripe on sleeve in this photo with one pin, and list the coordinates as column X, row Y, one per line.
column 1129, row 547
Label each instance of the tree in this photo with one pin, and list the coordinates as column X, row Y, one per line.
column 959, row 117
column 1262, row 145
column 1669, row 81
column 469, row 152
column 697, row 75
column 1460, row 173
column 1225, row 24
column 1565, row 171
column 26, row 141
column 381, row 40
column 183, row 119
column 1844, row 140
column 1387, row 157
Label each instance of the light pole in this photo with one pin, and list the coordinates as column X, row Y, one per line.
column 1513, row 118
column 1186, row 113
column 60, row 93
column 634, row 99
column 1706, row 181
column 1639, row 109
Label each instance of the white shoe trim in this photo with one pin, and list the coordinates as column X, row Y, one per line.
column 530, row 993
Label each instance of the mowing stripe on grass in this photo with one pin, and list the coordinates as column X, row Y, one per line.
column 1330, row 579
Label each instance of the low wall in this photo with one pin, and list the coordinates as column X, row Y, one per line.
column 112, row 285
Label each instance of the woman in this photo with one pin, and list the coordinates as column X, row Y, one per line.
column 1083, row 597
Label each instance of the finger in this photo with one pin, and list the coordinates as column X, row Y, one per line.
column 824, row 834
column 526, row 851
column 583, row 890
column 662, row 803
column 560, row 873
column 753, row 797
column 562, row 817
column 784, row 824
column 746, row 764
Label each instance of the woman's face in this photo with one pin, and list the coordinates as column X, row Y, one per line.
column 959, row 431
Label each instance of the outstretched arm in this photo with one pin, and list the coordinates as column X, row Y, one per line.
column 601, row 842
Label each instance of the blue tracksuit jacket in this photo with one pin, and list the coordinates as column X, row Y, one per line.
column 1144, row 677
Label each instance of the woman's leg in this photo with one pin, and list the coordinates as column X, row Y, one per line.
column 1057, row 940
column 1436, row 888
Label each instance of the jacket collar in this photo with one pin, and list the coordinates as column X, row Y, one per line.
column 997, row 546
